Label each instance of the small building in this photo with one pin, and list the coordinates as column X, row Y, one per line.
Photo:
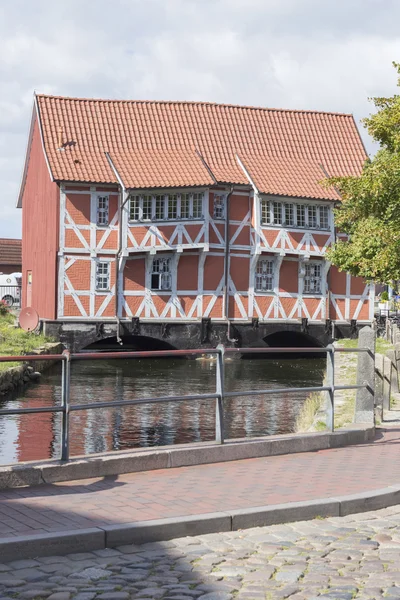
column 10, row 256
column 178, row 216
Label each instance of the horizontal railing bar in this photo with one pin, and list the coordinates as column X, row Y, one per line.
column 270, row 350
column 276, row 391
column 33, row 357
column 142, row 354
column 347, row 350
column 25, row 411
column 350, row 387
column 92, row 405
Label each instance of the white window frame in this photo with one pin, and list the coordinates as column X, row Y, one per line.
column 102, row 212
column 103, row 273
column 310, row 278
column 219, row 206
column 278, row 213
column 164, row 275
column 265, row 270
column 162, row 206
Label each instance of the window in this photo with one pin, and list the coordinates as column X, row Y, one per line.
column 102, row 210
column 265, row 212
column 312, row 217
column 289, row 215
column 172, row 206
column 185, row 206
column 161, row 278
column 277, row 213
column 147, row 208
column 264, row 276
column 160, row 206
column 166, row 206
column 300, row 215
column 134, row 203
column 324, row 217
column 102, row 276
column 312, row 278
column 197, row 206
column 219, row 206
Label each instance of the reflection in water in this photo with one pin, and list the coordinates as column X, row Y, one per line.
column 33, row 437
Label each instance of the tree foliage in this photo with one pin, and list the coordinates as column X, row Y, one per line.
column 370, row 208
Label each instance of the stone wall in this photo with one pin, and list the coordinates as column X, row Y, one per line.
column 23, row 374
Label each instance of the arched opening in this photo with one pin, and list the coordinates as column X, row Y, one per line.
column 286, row 339
column 130, row 343
column 292, row 339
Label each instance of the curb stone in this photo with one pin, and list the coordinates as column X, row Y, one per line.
column 98, row 538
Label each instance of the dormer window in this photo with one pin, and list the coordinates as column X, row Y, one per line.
column 290, row 214
column 164, row 207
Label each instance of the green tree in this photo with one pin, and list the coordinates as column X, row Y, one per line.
column 370, row 208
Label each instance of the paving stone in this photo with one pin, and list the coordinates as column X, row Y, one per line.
column 93, row 573
column 29, row 594
column 60, row 596
column 114, row 596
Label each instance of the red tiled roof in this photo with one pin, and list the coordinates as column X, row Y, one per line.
column 218, row 131
column 294, row 177
column 160, row 168
column 10, row 252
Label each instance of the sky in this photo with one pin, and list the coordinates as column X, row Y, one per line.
column 304, row 54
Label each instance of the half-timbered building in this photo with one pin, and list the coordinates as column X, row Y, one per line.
column 177, row 212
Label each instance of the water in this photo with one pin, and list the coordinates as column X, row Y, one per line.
column 37, row 436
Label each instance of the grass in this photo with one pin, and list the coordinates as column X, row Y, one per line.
column 15, row 341
column 306, row 416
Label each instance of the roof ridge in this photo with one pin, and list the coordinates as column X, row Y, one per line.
column 197, row 102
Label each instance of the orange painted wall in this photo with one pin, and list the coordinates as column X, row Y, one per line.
column 40, row 232
column 289, row 277
column 187, row 272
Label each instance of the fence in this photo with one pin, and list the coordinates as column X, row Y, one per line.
column 219, row 395
column 10, row 294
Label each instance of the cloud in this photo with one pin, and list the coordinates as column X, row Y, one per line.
column 280, row 53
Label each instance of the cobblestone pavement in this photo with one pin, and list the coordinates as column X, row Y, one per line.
column 337, row 558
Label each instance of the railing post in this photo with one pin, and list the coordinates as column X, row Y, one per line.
column 219, row 404
column 65, row 386
column 365, row 397
column 330, row 382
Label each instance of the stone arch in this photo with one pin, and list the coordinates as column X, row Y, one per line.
column 292, row 339
column 129, row 343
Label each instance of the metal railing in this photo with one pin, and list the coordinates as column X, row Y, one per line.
column 10, row 294
column 65, row 408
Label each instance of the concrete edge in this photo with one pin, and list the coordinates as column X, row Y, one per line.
column 30, row 474
column 111, row 536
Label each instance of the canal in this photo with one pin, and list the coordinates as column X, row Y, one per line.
column 37, row 436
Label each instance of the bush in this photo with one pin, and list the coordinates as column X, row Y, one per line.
column 4, row 309
column 384, row 297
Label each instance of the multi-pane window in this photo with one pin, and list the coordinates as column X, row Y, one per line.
column 266, row 211
column 161, row 277
column 161, row 207
column 312, row 217
column 219, row 206
column 277, row 207
column 312, row 278
column 264, row 275
column 102, row 210
column 300, row 215
column 172, row 206
column 197, row 205
column 102, row 276
column 324, row 217
column 147, row 209
column 185, row 206
column 289, row 214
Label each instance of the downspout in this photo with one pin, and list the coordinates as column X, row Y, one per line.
column 226, row 282
column 122, row 200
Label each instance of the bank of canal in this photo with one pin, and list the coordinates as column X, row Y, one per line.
column 34, row 437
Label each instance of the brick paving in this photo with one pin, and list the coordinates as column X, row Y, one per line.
column 354, row 557
column 202, row 489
